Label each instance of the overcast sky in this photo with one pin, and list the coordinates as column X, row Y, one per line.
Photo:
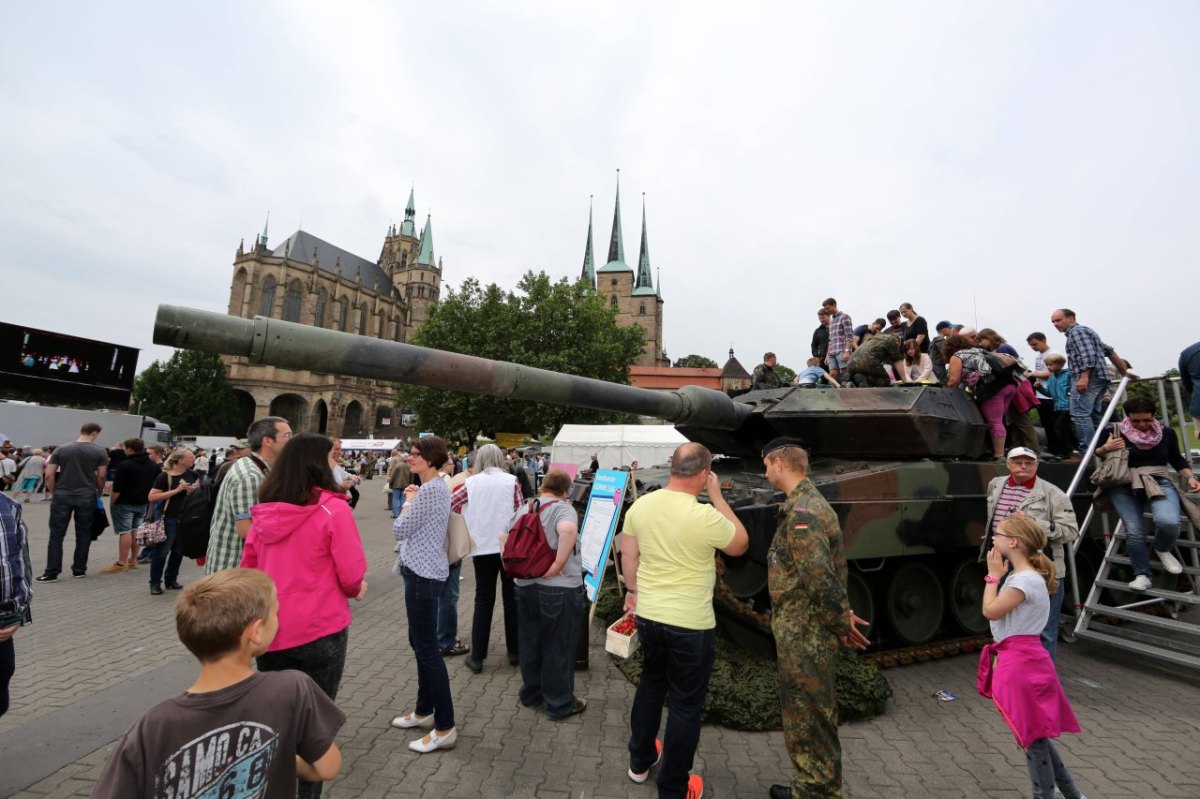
column 987, row 162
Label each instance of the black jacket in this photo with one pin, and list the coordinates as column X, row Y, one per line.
column 134, row 479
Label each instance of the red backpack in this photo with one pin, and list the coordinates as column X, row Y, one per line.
column 526, row 554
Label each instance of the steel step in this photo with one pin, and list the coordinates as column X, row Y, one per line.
column 1161, row 622
column 1175, row 596
column 1149, row 650
column 1155, row 564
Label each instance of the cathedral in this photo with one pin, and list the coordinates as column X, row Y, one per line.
column 308, row 280
column 636, row 299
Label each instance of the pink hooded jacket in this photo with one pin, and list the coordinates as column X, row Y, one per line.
column 315, row 556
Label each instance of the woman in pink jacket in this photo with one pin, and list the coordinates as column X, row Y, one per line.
column 303, row 535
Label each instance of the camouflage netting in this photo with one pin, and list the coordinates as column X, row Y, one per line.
column 742, row 693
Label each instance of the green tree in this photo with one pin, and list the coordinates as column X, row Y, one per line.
column 695, row 362
column 189, row 392
column 786, row 373
column 563, row 327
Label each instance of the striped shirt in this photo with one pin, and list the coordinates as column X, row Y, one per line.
column 841, row 334
column 1011, row 497
column 238, row 493
column 16, row 572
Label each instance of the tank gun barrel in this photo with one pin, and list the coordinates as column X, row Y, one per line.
column 291, row 345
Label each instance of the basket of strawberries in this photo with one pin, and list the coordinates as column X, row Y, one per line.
column 621, row 638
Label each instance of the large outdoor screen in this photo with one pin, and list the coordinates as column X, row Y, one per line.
column 39, row 366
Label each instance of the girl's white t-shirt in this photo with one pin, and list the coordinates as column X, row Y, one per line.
column 1029, row 617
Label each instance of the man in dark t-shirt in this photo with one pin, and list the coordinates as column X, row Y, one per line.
column 75, row 475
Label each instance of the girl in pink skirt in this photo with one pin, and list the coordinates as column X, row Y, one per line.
column 1015, row 671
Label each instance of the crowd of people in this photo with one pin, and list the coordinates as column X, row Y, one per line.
column 283, row 560
column 1068, row 391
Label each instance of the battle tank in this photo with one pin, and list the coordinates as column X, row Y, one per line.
column 902, row 466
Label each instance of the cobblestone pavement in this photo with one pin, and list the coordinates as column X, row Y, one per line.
column 103, row 650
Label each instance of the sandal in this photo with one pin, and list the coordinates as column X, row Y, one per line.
column 458, row 648
column 579, row 706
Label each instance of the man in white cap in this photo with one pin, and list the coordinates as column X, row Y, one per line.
column 1023, row 492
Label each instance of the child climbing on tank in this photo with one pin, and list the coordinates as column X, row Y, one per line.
column 1015, row 671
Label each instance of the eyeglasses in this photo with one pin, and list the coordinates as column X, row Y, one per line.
column 288, row 434
column 1001, row 535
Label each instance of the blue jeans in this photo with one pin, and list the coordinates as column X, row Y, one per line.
column 1130, row 506
column 1086, row 410
column 397, row 502
column 126, row 517
column 447, row 619
column 547, row 624
column 1050, row 632
column 433, row 681
column 677, row 664
column 62, row 508
column 324, row 660
column 166, row 553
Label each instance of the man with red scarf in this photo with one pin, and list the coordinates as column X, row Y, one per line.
column 1023, row 492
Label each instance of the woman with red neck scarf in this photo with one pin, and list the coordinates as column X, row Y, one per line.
column 1152, row 449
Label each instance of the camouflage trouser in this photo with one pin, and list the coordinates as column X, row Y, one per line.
column 808, row 704
column 868, row 373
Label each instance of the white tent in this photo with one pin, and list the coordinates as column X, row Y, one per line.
column 370, row 443
column 616, row 444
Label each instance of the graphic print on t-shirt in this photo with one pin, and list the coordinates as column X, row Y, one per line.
column 230, row 762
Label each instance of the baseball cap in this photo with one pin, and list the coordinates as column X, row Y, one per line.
column 942, row 325
column 1022, row 452
column 241, row 443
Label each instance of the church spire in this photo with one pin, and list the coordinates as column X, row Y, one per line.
column 616, row 245
column 408, row 227
column 262, row 240
column 589, row 262
column 644, row 279
column 425, row 256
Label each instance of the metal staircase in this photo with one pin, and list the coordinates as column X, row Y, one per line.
column 1116, row 615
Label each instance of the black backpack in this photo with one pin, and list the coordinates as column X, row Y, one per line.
column 194, row 519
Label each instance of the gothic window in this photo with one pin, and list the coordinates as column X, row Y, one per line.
column 614, row 281
column 613, row 301
column 379, row 327
column 404, row 260
column 319, row 318
column 642, row 309
column 237, row 297
column 266, row 306
column 341, row 314
column 422, row 277
column 362, row 321
column 291, row 302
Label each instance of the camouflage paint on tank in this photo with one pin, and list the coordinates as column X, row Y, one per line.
column 901, row 466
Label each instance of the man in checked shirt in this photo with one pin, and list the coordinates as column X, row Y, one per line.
column 1085, row 358
column 841, row 338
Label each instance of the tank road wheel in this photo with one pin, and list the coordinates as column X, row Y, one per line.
column 861, row 600
column 966, row 596
column 745, row 576
column 914, row 603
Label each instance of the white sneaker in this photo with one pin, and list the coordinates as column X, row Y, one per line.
column 1169, row 562
column 433, row 741
column 1140, row 583
column 413, row 720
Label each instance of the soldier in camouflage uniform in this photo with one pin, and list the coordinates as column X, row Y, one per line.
column 810, row 614
column 765, row 375
column 866, row 364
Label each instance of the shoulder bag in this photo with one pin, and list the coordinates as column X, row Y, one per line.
column 1112, row 470
column 458, row 538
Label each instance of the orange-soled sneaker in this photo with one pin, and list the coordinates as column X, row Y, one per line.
column 695, row 788
column 113, row 569
column 640, row 776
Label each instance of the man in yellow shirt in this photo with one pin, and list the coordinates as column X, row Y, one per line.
column 668, row 559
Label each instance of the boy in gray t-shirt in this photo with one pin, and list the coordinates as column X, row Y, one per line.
column 235, row 732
